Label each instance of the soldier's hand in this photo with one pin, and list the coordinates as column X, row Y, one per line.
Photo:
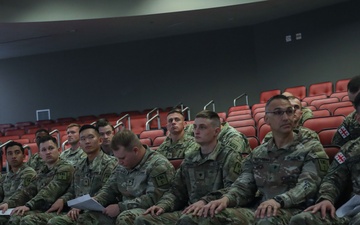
column 57, row 206
column 323, row 206
column 268, row 208
column 194, row 208
column 4, row 207
column 112, row 210
column 20, row 210
column 154, row 210
column 73, row 214
column 214, row 207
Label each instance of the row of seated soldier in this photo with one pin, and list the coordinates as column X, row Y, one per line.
column 285, row 180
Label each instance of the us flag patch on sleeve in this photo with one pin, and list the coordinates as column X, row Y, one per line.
column 340, row 158
column 343, row 132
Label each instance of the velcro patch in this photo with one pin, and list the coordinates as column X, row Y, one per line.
column 161, row 180
column 63, row 176
column 323, row 165
column 340, row 158
column 343, row 132
column 237, row 168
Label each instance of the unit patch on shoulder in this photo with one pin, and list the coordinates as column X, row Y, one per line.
column 63, row 176
column 161, row 180
column 343, row 132
column 340, row 158
column 237, row 168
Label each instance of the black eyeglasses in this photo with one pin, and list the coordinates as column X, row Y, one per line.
column 288, row 112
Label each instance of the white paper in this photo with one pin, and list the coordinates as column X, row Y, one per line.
column 7, row 212
column 85, row 202
column 350, row 208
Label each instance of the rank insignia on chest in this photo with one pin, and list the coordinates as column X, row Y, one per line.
column 161, row 180
column 343, row 132
column 130, row 182
column 340, row 158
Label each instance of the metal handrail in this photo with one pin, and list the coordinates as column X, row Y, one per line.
column 118, row 125
column 63, row 145
column 240, row 96
column 188, row 111
column 125, row 116
column 181, row 106
column 58, row 135
column 157, row 115
column 209, row 103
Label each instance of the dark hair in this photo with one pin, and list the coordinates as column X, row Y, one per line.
column 14, row 143
column 125, row 138
column 275, row 97
column 88, row 126
column 103, row 123
column 42, row 130
column 176, row 110
column 47, row 138
column 213, row 116
column 357, row 101
column 354, row 84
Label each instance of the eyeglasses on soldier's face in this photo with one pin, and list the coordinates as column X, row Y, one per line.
column 288, row 111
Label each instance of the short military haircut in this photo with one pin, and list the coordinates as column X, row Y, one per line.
column 213, row 116
column 103, row 123
column 88, row 126
column 73, row 125
column 176, row 110
column 357, row 102
column 354, row 84
column 276, row 97
column 125, row 138
column 42, row 130
column 14, row 143
column 48, row 138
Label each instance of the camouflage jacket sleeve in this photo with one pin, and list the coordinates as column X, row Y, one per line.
column 57, row 186
column 307, row 114
column 231, row 171
column 177, row 196
column 26, row 176
column 314, row 169
column 2, row 196
column 21, row 196
column 160, row 179
column 344, row 132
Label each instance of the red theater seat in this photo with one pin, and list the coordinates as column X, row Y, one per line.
column 321, row 88
column 321, row 123
column 266, row 95
column 299, row 91
column 341, row 85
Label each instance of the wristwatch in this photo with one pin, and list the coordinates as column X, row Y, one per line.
column 279, row 200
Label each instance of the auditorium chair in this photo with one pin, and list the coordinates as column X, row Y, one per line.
column 298, row 91
column 321, row 88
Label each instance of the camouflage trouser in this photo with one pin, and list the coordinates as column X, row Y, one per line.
column 36, row 218
column 94, row 218
column 62, row 219
column 128, row 217
column 4, row 220
column 308, row 218
column 165, row 218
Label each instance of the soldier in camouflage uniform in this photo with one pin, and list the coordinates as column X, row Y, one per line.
column 305, row 132
column 19, row 175
column 140, row 179
column 228, row 136
column 51, row 182
column 107, row 132
column 210, row 167
column 74, row 154
column 286, row 171
column 35, row 160
column 90, row 175
column 344, row 171
column 177, row 144
column 350, row 128
column 306, row 113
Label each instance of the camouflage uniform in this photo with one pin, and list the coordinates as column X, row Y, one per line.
column 12, row 182
column 305, row 132
column 348, row 130
column 133, row 190
column 344, row 171
column 178, row 149
column 35, row 162
column 88, row 179
column 44, row 189
column 292, row 173
column 229, row 136
column 196, row 177
column 306, row 114
column 73, row 156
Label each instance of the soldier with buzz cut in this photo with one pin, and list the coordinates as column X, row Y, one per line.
column 52, row 180
column 74, row 154
column 18, row 177
column 35, row 160
column 350, row 128
column 90, row 175
column 209, row 167
column 343, row 171
column 177, row 143
column 285, row 172
column 139, row 180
